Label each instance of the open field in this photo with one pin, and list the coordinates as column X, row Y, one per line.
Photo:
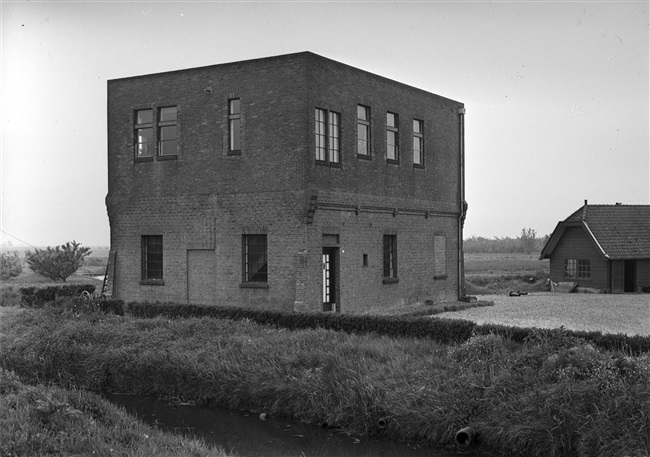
column 503, row 264
column 621, row 313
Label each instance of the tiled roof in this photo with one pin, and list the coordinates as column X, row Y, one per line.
column 623, row 231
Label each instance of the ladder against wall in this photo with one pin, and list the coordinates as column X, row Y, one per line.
column 107, row 285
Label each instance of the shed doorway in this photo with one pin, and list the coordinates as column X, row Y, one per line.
column 630, row 276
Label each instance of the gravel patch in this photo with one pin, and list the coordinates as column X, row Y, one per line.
column 607, row 313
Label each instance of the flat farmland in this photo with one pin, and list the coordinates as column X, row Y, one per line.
column 607, row 313
column 503, row 264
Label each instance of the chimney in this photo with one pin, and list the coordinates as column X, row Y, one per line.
column 584, row 212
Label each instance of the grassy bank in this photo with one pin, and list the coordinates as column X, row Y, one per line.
column 551, row 396
column 38, row 420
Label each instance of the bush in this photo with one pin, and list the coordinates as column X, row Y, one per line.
column 10, row 265
column 9, row 297
column 445, row 331
column 35, row 297
column 57, row 263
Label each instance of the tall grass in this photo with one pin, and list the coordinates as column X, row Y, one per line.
column 51, row 421
column 551, row 396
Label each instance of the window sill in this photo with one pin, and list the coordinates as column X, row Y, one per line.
column 435, row 278
column 364, row 156
column 418, row 165
column 152, row 282
column 167, row 157
column 254, row 285
column 392, row 161
column 234, row 153
column 143, row 159
column 391, row 280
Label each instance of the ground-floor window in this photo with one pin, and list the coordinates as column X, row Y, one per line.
column 390, row 257
column 254, row 259
column 439, row 257
column 577, row 268
column 152, row 257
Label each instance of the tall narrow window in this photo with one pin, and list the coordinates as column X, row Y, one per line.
column 254, row 261
column 167, row 131
column 334, row 137
column 320, row 133
column 439, row 257
column 392, row 137
column 390, row 257
column 234, row 124
column 143, row 133
column 327, row 133
column 152, row 257
column 418, row 142
column 363, row 131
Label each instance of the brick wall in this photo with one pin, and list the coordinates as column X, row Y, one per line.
column 206, row 198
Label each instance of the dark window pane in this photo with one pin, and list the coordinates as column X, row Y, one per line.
column 255, row 267
column 235, row 134
column 168, row 114
column 152, row 257
column 235, row 106
column 144, row 116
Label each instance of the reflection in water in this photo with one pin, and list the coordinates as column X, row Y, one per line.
column 248, row 436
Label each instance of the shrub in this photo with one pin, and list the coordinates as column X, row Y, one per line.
column 9, row 297
column 10, row 265
column 59, row 262
column 35, row 297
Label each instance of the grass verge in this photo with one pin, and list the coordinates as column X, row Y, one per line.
column 39, row 420
column 553, row 395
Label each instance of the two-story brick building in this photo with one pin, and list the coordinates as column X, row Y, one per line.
column 289, row 182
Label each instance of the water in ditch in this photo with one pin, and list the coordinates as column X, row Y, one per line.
column 249, row 436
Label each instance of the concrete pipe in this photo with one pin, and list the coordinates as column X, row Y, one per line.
column 465, row 436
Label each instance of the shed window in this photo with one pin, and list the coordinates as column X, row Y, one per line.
column 577, row 268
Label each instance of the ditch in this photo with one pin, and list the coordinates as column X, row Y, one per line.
column 246, row 435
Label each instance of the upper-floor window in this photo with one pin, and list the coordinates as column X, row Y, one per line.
column 144, row 133
column 234, row 124
column 327, row 125
column 363, row 131
column 392, row 137
column 167, row 131
column 152, row 257
column 418, row 142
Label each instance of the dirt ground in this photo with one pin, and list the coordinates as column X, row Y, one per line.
column 608, row 313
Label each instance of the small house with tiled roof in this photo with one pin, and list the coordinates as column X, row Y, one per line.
column 603, row 247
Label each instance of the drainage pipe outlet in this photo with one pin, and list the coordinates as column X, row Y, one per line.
column 465, row 436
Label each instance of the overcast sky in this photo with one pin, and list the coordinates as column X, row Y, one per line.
column 556, row 94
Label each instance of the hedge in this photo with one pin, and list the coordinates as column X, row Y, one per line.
column 445, row 331
column 35, row 297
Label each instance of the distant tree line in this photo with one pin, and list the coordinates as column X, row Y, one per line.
column 527, row 242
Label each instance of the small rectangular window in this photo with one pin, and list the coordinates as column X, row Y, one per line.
column 390, row 256
column 254, row 258
column 392, row 137
column 167, row 131
column 584, row 268
column 234, row 124
column 363, row 131
column 152, row 257
column 143, row 133
column 418, row 142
